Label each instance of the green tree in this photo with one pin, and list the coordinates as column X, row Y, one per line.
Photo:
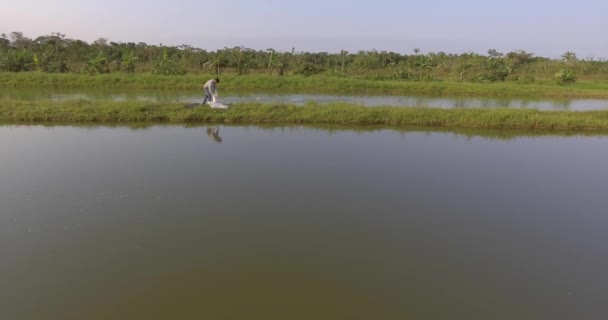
column 271, row 53
column 16, row 61
column 4, row 42
column 282, row 63
column 99, row 64
column 241, row 59
column 565, row 76
column 569, row 58
column 18, row 41
column 128, row 62
column 166, row 66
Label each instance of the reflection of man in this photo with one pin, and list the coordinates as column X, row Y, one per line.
column 214, row 134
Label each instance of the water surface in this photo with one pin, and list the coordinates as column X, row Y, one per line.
column 192, row 96
column 171, row 222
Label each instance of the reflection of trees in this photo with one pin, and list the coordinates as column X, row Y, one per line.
column 486, row 103
column 419, row 102
column 214, row 134
column 460, row 103
column 563, row 104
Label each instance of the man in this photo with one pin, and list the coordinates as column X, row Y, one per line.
column 210, row 89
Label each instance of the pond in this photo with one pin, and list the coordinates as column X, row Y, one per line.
column 191, row 96
column 246, row 222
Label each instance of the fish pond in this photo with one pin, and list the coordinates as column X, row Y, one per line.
column 193, row 96
column 249, row 222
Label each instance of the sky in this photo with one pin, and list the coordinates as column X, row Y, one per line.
column 545, row 28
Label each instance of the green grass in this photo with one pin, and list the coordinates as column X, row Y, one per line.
column 325, row 84
column 12, row 111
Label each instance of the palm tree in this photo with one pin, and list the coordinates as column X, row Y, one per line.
column 569, row 57
column 271, row 51
column 128, row 62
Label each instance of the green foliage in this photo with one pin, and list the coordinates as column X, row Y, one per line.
column 57, row 66
column 47, row 64
column 492, row 53
column 370, row 59
column 128, row 62
column 4, row 42
column 307, row 69
column 14, row 60
column 55, row 53
column 422, row 67
column 216, row 62
column 166, row 66
column 343, row 59
column 20, row 42
column 402, row 72
column 271, row 52
column 15, row 111
column 282, row 64
column 97, row 65
column 523, row 79
column 519, row 57
column 570, row 58
column 242, row 59
column 373, row 83
column 37, row 63
column 498, row 70
column 565, row 76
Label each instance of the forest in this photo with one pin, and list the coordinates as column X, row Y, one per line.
column 56, row 53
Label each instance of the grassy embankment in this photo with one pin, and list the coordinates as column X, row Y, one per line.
column 12, row 111
column 15, row 111
column 314, row 84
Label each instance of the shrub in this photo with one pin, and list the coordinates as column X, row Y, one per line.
column 565, row 76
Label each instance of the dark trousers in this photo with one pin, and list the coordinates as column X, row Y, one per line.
column 207, row 98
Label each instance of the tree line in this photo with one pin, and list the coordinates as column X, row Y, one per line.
column 56, row 53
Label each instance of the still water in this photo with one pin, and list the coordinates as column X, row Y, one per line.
column 191, row 96
column 171, row 222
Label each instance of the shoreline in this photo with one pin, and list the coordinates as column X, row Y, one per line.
column 82, row 111
column 596, row 89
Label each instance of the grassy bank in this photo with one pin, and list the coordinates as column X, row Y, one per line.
column 339, row 113
column 314, row 84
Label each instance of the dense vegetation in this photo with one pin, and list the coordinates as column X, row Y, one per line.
column 338, row 113
column 55, row 53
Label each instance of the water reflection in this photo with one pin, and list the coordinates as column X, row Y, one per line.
column 214, row 134
column 300, row 223
column 562, row 105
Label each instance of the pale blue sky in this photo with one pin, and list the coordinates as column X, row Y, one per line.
column 544, row 27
